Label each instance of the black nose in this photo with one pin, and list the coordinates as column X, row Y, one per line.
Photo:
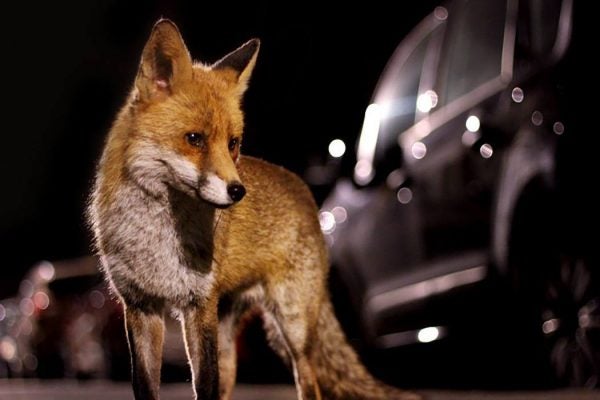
column 236, row 191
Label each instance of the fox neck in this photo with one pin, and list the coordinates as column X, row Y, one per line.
column 194, row 223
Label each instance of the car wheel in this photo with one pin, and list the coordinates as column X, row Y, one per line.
column 570, row 322
column 557, row 293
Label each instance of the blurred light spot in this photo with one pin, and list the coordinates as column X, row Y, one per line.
column 428, row 334
column 518, row 95
column 46, row 270
column 367, row 144
column 327, row 221
column 85, row 323
column 2, row 312
column 550, row 325
column 41, row 300
column 395, row 179
column 440, row 13
column 426, row 101
column 473, row 123
column 486, row 150
column 30, row 362
column 340, row 214
column 8, row 348
column 363, row 172
column 537, row 118
column 418, row 150
column 27, row 307
column 337, row 148
column 404, row 195
column 97, row 299
column 584, row 321
column 404, row 338
column 26, row 327
column 26, row 288
column 558, row 128
column 469, row 138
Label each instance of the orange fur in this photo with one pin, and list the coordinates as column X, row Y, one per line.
column 173, row 232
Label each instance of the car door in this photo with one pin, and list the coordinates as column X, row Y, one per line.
column 453, row 160
column 438, row 222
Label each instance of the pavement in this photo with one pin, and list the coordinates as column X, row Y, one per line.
column 96, row 390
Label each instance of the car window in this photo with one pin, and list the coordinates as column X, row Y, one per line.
column 543, row 25
column 537, row 32
column 399, row 112
column 473, row 47
column 398, row 95
column 394, row 104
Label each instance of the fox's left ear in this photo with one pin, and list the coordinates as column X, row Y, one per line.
column 241, row 63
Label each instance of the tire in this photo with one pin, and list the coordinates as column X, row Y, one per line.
column 570, row 322
column 557, row 292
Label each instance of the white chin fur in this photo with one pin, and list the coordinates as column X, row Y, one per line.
column 214, row 190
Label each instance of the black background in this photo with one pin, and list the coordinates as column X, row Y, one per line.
column 67, row 68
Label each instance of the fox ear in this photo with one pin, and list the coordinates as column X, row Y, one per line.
column 166, row 63
column 241, row 62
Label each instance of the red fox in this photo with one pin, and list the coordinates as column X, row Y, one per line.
column 182, row 222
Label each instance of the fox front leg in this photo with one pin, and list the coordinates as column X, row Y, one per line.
column 200, row 328
column 145, row 333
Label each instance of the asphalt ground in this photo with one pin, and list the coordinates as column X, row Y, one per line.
column 96, row 390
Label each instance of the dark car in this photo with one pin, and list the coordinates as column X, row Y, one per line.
column 62, row 323
column 458, row 240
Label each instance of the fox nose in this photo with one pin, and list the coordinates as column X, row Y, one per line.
column 236, row 191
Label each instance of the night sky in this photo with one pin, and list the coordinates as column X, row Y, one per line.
column 67, row 68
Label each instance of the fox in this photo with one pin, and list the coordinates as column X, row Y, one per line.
column 183, row 223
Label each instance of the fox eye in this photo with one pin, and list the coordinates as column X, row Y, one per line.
column 196, row 139
column 233, row 142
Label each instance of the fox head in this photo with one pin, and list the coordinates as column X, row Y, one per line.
column 187, row 122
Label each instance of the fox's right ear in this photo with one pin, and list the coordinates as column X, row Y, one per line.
column 241, row 62
column 166, row 64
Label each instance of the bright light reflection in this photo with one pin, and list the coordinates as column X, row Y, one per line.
column 8, row 348
column 339, row 214
column 327, row 221
column 558, row 128
column 404, row 195
column 367, row 143
column 550, row 325
column 440, row 13
column 537, row 118
column 337, row 148
column 426, row 101
column 2, row 312
column 473, row 123
column 486, row 150
column 41, row 300
column 428, row 334
column 518, row 95
column 418, row 150
column 46, row 270
column 363, row 172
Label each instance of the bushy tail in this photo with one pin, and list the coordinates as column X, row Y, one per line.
column 340, row 373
